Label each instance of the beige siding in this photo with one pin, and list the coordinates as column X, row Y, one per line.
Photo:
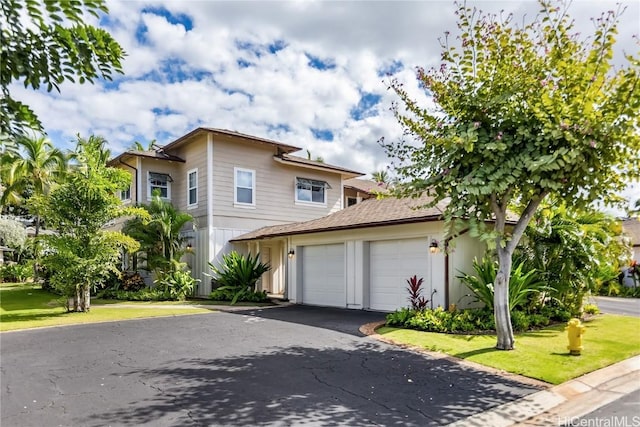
column 195, row 155
column 275, row 187
column 132, row 180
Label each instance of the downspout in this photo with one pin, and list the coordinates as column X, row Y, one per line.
column 136, row 176
column 446, row 266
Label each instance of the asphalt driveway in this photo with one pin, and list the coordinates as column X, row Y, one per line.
column 279, row 366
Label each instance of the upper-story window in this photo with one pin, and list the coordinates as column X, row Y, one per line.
column 352, row 201
column 245, row 186
column 160, row 182
column 192, row 188
column 311, row 191
column 125, row 195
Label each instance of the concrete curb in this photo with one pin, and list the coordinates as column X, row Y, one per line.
column 552, row 406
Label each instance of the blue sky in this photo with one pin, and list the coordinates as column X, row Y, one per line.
column 308, row 73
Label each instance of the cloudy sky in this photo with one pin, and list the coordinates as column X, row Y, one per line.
column 307, row 73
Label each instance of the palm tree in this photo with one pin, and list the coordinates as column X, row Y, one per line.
column 91, row 152
column 381, row 177
column 160, row 239
column 574, row 251
column 34, row 168
column 138, row 146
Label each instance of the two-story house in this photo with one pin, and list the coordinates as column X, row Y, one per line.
column 232, row 183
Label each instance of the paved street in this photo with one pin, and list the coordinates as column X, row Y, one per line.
column 614, row 305
column 279, row 366
column 622, row 412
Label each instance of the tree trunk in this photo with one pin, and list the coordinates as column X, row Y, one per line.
column 85, row 298
column 501, row 311
column 76, row 299
column 81, row 301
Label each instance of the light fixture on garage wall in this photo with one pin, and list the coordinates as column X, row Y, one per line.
column 433, row 247
column 291, row 253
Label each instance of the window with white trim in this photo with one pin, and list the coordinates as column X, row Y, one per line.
column 125, row 195
column 160, row 182
column 245, row 186
column 192, row 188
column 311, row 191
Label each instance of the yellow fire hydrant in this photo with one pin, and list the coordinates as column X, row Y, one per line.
column 575, row 330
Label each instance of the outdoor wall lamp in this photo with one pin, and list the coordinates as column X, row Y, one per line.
column 291, row 253
column 189, row 246
column 433, row 247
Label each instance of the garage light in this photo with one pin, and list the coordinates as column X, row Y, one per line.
column 291, row 253
column 433, row 247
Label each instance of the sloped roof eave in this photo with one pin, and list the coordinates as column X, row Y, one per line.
column 284, row 147
column 164, row 157
column 294, row 161
column 337, row 228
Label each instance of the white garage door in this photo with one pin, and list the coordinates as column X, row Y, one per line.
column 392, row 262
column 323, row 281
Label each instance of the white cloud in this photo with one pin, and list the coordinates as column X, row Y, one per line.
column 280, row 95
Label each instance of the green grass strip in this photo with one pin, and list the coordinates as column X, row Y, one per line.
column 25, row 306
column 540, row 354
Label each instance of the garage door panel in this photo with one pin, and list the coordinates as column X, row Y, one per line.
column 391, row 264
column 323, row 280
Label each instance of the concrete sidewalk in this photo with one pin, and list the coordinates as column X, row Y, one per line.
column 575, row 398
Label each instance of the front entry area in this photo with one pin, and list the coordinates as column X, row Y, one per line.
column 273, row 280
column 323, row 275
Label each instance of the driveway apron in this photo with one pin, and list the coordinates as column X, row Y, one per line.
column 279, row 366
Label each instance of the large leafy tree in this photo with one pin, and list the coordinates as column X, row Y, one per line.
column 82, row 253
column 519, row 112
column 44, row 43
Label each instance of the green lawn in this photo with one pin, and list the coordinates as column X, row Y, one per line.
column 539, row 354
column 24, row 306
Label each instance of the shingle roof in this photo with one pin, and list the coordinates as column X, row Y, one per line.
column 631, row 228
column 369, row 213
column 159, row 155
column 365, row 185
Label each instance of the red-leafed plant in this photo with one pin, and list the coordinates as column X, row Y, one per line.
column 418, row 302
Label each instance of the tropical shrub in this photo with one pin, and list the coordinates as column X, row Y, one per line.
column 591, row 309
column 12, row 234
column 12, row 272
column 146, row 294
column 132, row 281
column 176, row 284
column 161, row 240
column 238, row 274
column 400, row 317
column 440, row 320
column 222, row 294
column 522, row 284
column 418, row 302
column 475, row 320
